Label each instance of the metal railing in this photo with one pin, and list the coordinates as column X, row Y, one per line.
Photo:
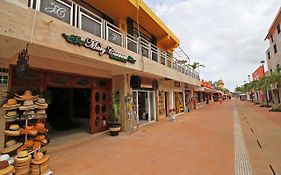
column 78, row 16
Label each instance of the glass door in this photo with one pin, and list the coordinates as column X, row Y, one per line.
column 152, row 111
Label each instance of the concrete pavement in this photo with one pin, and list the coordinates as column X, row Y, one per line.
column 198, row 143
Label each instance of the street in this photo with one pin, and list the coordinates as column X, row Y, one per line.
column 200, row 142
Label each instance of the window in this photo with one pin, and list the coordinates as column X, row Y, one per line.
column 270, row 70
column 278, row 67
column 278, row 28
column 271, row 38
column 3, row 81
column 275, row 48
column 268, row 55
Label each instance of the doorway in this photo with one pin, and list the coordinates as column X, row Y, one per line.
column 146, row 105
column 69, row 110
column 167, row 103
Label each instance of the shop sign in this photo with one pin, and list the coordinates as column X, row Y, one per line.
column 96, row 46
column 177, row 84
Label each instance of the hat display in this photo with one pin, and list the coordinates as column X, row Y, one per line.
column 27, row 105
column 11, row 104
column 11, row 146
column 7, row 158
column 28, row 146
column 27, row 95
column 41, row 103
column 30, row 130
column 29, row 112
column 14, row 130
column 5, row 167
column 42, row 139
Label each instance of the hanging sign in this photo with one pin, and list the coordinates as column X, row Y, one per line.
column 96, row 46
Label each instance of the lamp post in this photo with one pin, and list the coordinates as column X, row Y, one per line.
column 249, row 78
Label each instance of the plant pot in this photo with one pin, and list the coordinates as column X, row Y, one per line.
column 114, row 130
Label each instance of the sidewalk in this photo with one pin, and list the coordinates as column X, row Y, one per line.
column 262, row 132
column 198, row 143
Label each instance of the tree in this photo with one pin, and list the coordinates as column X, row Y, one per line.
column 195, row 65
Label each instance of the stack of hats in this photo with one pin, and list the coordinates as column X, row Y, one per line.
column 7, row 157
column 30, row 130
column 28, row 107
column 41, row 106
column 14, row 130
column 40, row 164
column 11, row 107
column 11, row 146
column 22, row 163
column 6, row 168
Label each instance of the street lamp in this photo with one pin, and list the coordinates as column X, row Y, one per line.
column 249, row 78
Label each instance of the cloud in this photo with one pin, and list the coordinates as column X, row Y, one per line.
column 226, row 36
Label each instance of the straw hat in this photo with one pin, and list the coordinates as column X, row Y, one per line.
column 28, row 146
column 27, row 105
column 40, row 111
column 40, row 127
column 39, row 158
column 41, row 102
column 42, row 139
column 11, row 104
column 7, row 158
column 11, row 113
column 14, row 130
column 5, row 167
column 22, row 158
column 29, row 112
column 27, row 95
column 30, row 130
column 11, row 146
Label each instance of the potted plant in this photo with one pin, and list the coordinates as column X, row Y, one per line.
column 172, row 114
column 114, row 124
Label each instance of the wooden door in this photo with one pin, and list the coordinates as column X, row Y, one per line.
column 100, row 109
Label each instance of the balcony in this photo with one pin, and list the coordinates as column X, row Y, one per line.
column 84, row 19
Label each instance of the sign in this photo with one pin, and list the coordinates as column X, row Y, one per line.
column 96, row 46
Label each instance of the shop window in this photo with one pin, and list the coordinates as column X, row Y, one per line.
column 104, row 121
column 103, row 97
column 83, row 81
column 97, row 122
column 97, row 109
column 103, row 108
column 275, row 48
column 268, row 55
column 57, row 9
column 4, row 70
column 97, row 97
column 4, row 81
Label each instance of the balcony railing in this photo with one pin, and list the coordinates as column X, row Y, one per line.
column 78, row 16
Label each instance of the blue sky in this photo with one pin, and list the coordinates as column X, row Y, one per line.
column 226, row 36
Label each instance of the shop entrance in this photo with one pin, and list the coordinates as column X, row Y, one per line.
column 179, row 102
column 145, row 103
column 69, row 109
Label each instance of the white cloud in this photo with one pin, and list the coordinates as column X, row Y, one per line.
column 226, row 36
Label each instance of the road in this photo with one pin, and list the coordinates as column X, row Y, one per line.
column 220, row 139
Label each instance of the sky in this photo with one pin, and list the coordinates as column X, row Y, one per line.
column 224, row 35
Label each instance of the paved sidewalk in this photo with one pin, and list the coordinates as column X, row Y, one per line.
column 198, row 143
column 262, row 132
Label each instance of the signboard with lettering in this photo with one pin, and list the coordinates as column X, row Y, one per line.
column 96, row 46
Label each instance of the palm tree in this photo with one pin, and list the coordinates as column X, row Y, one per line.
column 195, row 65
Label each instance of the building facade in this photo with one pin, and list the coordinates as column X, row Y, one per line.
column 80, row 52
column 258, row 74
column 273, row 53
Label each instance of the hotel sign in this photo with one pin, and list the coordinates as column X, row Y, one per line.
column 96, row 46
